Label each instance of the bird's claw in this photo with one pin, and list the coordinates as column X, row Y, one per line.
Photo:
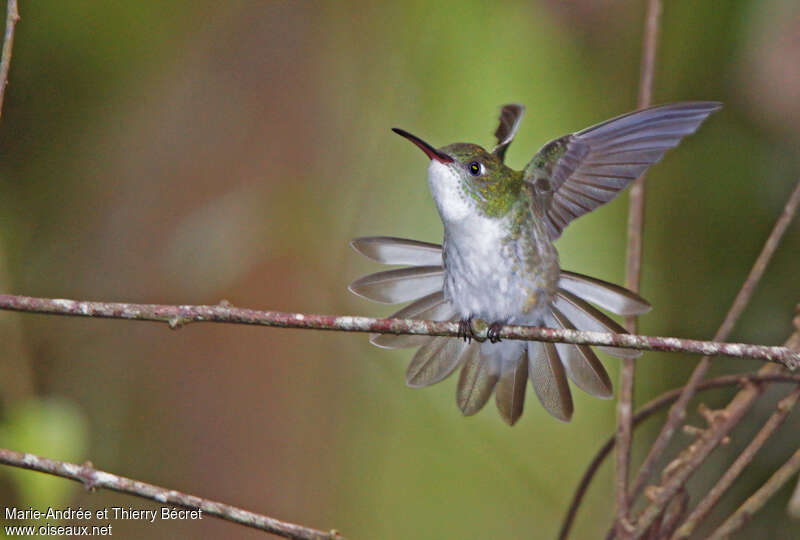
column 493, row 333
column 465, row 330
column 477, row 329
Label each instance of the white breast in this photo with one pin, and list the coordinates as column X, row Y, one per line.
column 484, row 277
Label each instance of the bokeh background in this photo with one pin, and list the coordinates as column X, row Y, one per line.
column 188, row 152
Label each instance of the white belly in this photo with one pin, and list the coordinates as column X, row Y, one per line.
column 486, row 276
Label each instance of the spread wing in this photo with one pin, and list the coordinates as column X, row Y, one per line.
column 589, row 168
column 510, row 117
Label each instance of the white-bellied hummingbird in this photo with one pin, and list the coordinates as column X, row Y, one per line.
column 498, row 265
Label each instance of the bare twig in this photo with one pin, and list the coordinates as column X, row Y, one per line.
column 93, row 478
column 12, row 16
column 177, row 316
column 704, row 506
column 696, row 454
column 758, row 499
column 678, row 411
column 633, row 272
column 649, row 46
column 645, row 412
column 718, row 429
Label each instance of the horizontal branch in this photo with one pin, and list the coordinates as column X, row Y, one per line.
column 93, row 479
column 177, row 316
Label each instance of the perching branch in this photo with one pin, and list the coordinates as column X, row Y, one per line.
column 93, row 478
column 177, row 316
column 633, row 274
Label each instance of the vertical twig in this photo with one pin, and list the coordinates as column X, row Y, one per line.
column 633, row 277
column 12, row 16
column 677, row 412
column 649, row 46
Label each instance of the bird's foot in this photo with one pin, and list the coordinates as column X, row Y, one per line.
column 470, row 329
column 465, row 329
column 493, row 333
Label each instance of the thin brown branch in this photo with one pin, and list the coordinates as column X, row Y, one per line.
column 645, row 412
column 758, row 499
column 689, row 460
column 177, row 316
column 93, row 478
column 649, row 47
column 784, row 407
column 633, row 272
column 720, row 425
column 12, row 17
column 678, row 411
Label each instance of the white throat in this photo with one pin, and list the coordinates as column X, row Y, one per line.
column 448, row 193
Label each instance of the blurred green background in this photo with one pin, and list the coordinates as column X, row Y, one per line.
column 188, row 152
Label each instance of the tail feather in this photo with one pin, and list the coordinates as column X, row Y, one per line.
column 391, row 250
column 582, row 365
column 432, row 308
column 476, row 381
column 586, row 317
column 401, row 285
column 487, row 367
column 510, row 391
column 549, row 380
column 435, row 361
column 607, row 295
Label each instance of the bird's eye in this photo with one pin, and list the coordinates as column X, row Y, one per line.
column 475, row 168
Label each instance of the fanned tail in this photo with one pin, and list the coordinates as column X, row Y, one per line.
column 501, row 368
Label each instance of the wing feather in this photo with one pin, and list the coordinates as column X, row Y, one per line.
column 602, row 160
column 510, row 118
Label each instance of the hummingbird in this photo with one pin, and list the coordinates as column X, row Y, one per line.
column 498, row 265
